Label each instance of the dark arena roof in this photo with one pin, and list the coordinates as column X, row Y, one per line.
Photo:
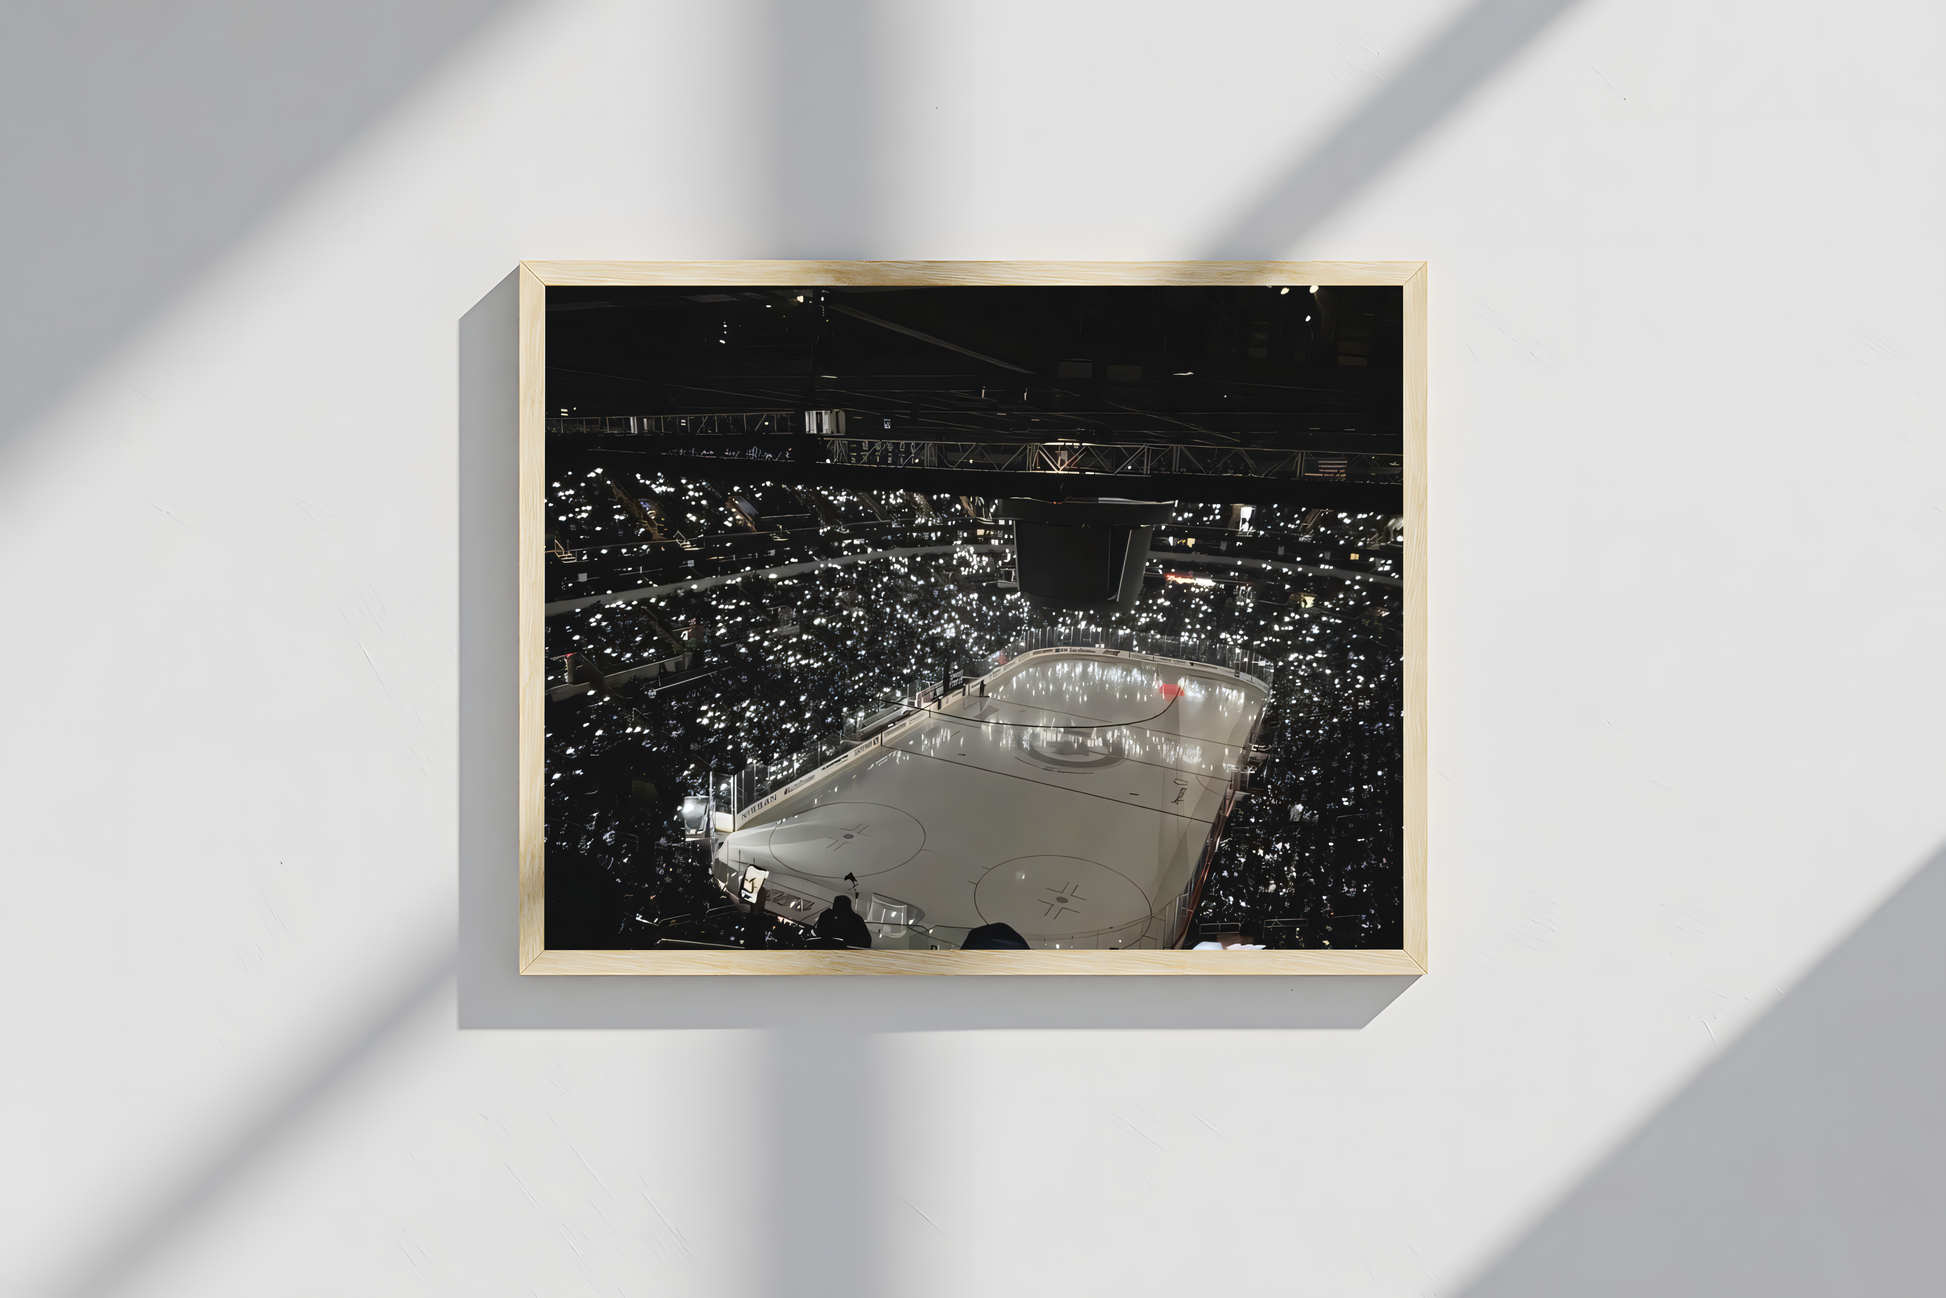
column 1179, row 384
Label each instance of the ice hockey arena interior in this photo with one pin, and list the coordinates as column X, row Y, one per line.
column 973, row 617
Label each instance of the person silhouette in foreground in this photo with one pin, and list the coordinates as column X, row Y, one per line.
column 995, row 937
column 843, row 926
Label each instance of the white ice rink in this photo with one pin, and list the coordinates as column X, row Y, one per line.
column 1072, row 800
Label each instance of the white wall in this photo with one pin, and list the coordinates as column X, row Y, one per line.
column 1682, row 1034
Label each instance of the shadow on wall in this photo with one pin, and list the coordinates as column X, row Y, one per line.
column 827, row 157
column 1809, row 1158
column 144, row 141
column 185, row 1198
column 1471, row 50
column 824, row 1163
column 824, row 140
column 843, row 1012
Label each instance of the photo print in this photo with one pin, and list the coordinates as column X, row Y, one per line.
column 975, row 618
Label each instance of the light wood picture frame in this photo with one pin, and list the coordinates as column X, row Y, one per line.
column 535, row 277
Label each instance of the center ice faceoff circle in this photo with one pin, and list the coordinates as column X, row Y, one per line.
column 1052, row 897
column 1076, row 750
column 840, row 838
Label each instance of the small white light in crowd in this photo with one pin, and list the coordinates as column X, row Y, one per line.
column 1283, row 290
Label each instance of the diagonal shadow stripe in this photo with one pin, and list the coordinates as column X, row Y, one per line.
column 144, row 141
column 192, row 1195
column 1478, row 44
column 1804, row 1161
column 824, row 1172
column 826, row 64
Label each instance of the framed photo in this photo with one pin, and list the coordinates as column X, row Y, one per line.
column 972, row 617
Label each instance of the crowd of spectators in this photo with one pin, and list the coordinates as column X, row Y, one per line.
column 1310, row 857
